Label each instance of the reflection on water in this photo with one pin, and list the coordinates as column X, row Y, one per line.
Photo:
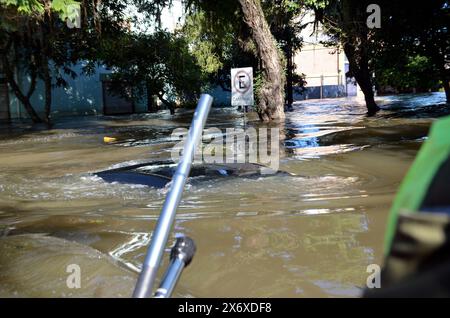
column 312, row 234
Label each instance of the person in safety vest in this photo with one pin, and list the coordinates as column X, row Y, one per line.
column 417, row 243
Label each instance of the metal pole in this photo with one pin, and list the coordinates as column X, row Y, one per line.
column 321, row 86
column 170, row 279
column 180, row 257
column 160, row 236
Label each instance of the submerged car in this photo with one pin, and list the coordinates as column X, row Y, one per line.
column 159, row 173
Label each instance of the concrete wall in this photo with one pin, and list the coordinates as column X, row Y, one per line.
column 316, row 60
column 221, row 98
column 82, row 96
column 324, row 69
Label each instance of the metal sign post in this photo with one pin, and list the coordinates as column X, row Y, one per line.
column 242, row 86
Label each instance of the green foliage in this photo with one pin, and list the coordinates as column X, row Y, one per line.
column 217, row 40
column 203, row 44
column 317, row 4
column 282, row 17
column 158, row 64
column 41, row 45
column 406, row 74
column 40, row 37
column 419, row 40
column 220, row 40
column 64, row 8
column 37, row 8
column 408, row 51
column 14, row 10
column 258, row 83
column 24, row 6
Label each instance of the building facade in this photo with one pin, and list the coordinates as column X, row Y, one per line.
column 325, row 68
column 84, row 95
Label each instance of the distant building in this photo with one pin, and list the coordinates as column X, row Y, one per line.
column 84, row 95
column 325, row 67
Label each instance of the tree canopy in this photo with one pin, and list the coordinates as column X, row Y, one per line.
column 44, row 39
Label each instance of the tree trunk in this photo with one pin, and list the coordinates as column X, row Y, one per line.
column 48, row 91
column 271, row 95
column 289, row 78
column 24, row 99
column 359, row 68
column 45, row 47
column 169, row 104
column 355, row 40
column 446, row 84
column 151, row 105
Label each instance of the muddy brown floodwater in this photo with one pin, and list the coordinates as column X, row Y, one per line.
column 312, row 235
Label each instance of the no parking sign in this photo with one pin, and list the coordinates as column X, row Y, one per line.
column 242, row 86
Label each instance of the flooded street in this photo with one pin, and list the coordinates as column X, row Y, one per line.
column 309, row 235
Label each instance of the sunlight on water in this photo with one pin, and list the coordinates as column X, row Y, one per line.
column 311, row 233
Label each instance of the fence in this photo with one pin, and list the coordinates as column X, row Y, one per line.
column 326, row 86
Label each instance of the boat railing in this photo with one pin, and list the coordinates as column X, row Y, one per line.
column 184, row 249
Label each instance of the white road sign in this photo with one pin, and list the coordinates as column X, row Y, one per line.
column 242, row 86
